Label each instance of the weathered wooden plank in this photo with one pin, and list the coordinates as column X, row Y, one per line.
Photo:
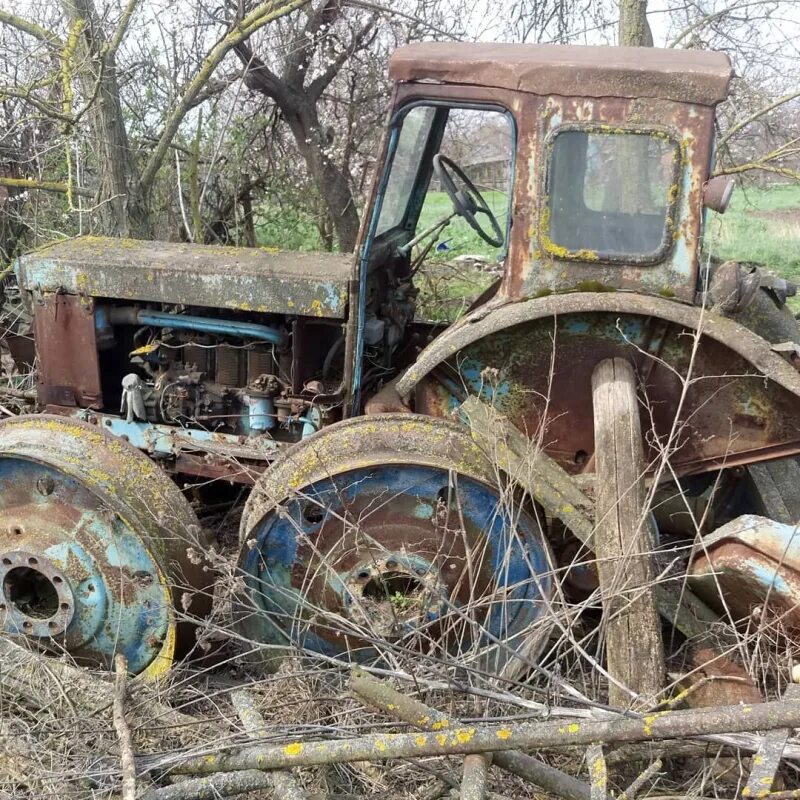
column 765, row 763
column 623, row 540
column 560, row 496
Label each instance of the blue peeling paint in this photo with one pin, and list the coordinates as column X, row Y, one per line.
column 277, row 575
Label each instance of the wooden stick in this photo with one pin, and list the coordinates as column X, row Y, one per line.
column 652, row 770
column 598, row 773
column 282, row 782
column 766, row 762
column 476, row 771
column 623, row 541
column 211, row 787
column 127, row 763
column 385, row 697
column 490, row 738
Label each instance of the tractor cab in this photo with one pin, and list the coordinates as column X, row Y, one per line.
column 576, row 167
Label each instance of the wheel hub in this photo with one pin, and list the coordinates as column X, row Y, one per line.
column 34, row 595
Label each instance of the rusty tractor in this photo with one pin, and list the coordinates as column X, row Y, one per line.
column 432, row 488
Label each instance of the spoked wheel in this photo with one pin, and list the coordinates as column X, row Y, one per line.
column 393, row 534
column 93, row 546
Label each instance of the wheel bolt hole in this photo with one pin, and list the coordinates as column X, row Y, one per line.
column 27, row 625
column 581, row 457
column 7, row 562
column 52, row 624
column 64, row 606
column 90, row 587
column 57, row 580
column 363, row 575
column 33, row 561
column 312, row 513
column 31, row 592
column 16, row 530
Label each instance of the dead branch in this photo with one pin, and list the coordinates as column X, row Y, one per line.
column 223, row 784
column 652, row 770
column 282, row 782
column 127, row 764
column 491, row 738
column 26, row 674
column 45, row 186
column 473, row 781
column 383, row 696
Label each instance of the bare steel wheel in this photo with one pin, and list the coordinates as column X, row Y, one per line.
column 392, row 532
column 93, row 546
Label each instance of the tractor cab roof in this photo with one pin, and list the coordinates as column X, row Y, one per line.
column 691, row 76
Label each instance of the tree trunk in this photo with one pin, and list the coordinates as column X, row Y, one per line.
column 120, row 211
column 331, row 182
column 634, row 30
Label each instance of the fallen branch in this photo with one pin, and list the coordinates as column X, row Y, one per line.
column 27, row 675
column 282, row 783
column 492, row 738
column 127, row 764
column 383, row 696
column 473, row 781
column 223, row 784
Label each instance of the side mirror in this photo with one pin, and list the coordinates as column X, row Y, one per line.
column 717, row 193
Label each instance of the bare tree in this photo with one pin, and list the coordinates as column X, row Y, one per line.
column 80, row 80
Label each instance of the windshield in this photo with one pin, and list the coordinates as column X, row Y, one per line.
column 610, row 195
column 479, row 141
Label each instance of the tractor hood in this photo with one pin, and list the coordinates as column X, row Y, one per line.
column 245, row 279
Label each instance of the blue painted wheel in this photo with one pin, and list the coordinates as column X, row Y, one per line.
column 93, row 546
column 404, row 544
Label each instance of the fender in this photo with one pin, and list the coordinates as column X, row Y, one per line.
column 698, row 370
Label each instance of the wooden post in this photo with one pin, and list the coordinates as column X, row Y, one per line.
column 623, row 540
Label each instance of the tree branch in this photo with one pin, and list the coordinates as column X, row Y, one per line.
column 319, row 84
column 31, row 28
column 45, row 186
column 755, row 115
column 262, row 15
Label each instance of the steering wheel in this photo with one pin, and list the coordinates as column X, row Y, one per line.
column 467, row 201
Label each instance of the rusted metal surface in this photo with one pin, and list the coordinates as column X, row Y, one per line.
column 69, row 367
column 95, row 546
column 392, row 525
column 723, row 420
column 245, row 279
column 692, row 76
column 751, row 566
column 534, row 268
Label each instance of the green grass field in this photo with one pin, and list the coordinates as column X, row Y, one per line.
column 761, row 225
